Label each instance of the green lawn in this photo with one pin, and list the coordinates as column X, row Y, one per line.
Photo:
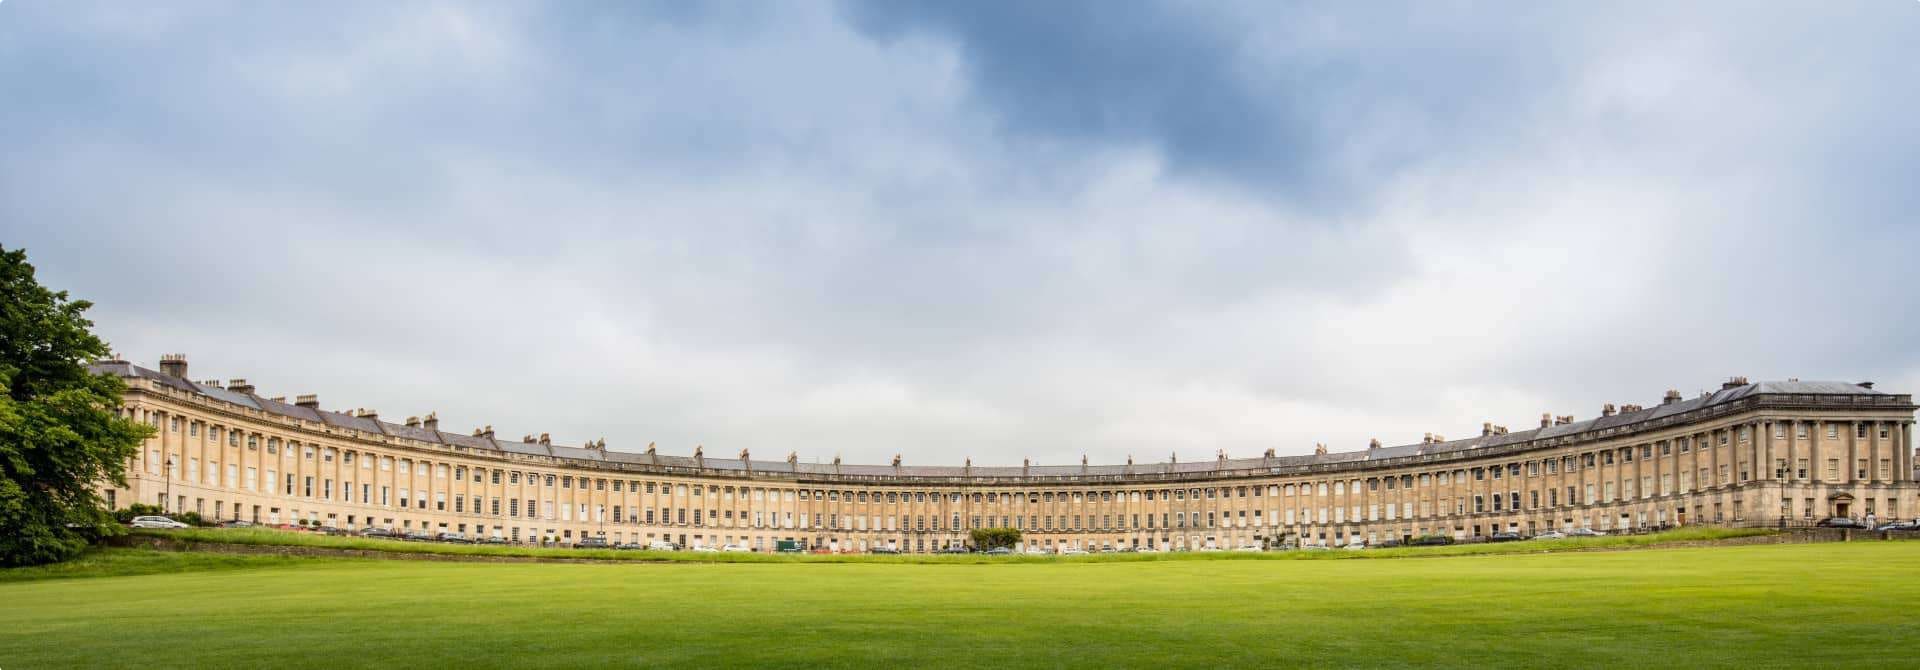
column 1849, row 604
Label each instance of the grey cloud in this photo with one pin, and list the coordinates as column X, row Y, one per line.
column 899, row 228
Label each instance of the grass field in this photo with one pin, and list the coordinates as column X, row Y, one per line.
column 1848, row 604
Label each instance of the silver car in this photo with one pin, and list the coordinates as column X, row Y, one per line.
column 155, row 522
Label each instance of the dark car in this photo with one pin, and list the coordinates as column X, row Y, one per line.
column 376, row 532
column 592, row 543
column 494, row 540
column 333, row 530
column 999, row 551
column 1504, row 537
column 1840, row 522
column 418, row 536
column 236, row 523
column 883, row 550
column 1430, row 541
column 955, row 550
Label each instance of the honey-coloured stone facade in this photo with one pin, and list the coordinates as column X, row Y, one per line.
column 1750, row 454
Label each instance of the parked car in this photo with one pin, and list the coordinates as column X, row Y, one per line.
column 1147, row 549
column 236, row 523
column 494, row 540
column 592, row 543
column 1249, row 547
column 787, row 546
column 376, row 532
column 1073, row 552
column 1503, row 537
column 332, row 530
column 1899, row 525
column 456, row 538
column 999, row 551
column 1431, row 541
column 1585, row 532
column 1840, row 522
column 662, row 545
column 155, row 522
column 883, row 550
column 735, row 548
column 418, row 536
column 706, row 549
column 954, row 550
column 1551, row 535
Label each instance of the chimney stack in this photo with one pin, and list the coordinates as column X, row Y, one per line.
column 174, row 365
column 309, row 401
column 1733, row 383
column 1426, row 439
column 1673, row 396
column 545, row 439
column 240, row 386
column 371, row 414
column 1606, row 410
column 1546, row 419
column 413, row 422
column 1486, row 429
column 432, row 422
column 1373, row 444
column 1319, row 449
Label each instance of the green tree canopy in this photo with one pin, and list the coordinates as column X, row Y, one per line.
column 995, row 538
column 60, row 433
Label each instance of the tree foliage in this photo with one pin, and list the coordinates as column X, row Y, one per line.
column 995, row 538
column 60, row 433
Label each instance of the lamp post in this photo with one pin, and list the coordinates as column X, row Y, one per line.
column 166, row 503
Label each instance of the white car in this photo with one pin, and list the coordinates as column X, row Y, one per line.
column 1355, row 547
column 703, row 549
column 735, row 547
column 1148, row 549
column 1586, row 532
column 1551, row 535
column 1073, row 552
column 155, row 522
column 1249, row 547
column 662, row 545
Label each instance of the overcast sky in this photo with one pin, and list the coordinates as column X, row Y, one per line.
column 987, row 230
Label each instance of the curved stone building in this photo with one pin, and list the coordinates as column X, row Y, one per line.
column 1750, row 454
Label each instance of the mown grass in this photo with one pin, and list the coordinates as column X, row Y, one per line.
column 262, row 536
column 101, row 562
column 1823, row 605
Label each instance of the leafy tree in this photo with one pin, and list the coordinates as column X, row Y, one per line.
column 995, row 538
column 60, row 433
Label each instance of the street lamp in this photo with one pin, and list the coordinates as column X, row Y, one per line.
column 166, row 502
